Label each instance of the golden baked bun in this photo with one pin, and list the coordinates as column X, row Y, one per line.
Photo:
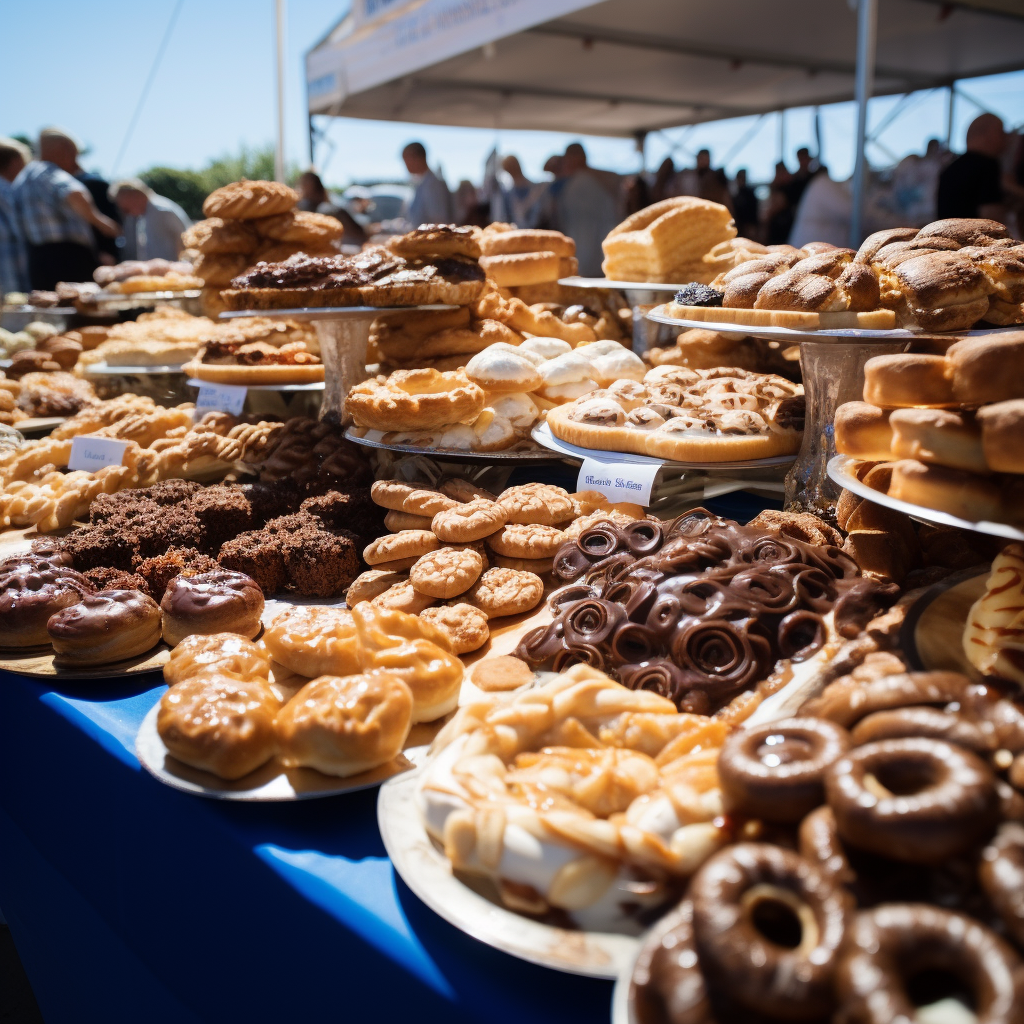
column 225, row 654
column 247, row 200
column 219, row 724
column 987, row 369
column 666, row 242
column 314, row 641
column 220, row 236
column 906, row 380
column 939, row 437
column 862, row 431
column 345, row 725
column 520, row 240
column 108, row 626
column 953, row 491
column 1002, row 435
column 414, row 650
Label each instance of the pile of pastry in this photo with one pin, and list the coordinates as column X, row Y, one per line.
column 947, row 276
column 459, row 555
column 36, row 488
column 945, row 432
column 361, row 679
column 719, row 415
column 699, row 349
column 44, row 393
column 43, row 601
column 491, row 402
column 249, row 222
column 132, row 277
column 529, row 259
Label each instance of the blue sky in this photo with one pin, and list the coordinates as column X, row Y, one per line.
column 82, row 66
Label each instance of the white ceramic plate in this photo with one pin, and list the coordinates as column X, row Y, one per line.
column 839, row 469
column 372, row 439
column 427, row 871
column 541, row 433
column 99, row 369
column 329, row 312
column 603, row 282
column 319, row 385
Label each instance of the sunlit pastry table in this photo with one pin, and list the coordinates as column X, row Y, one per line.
column 133, row 903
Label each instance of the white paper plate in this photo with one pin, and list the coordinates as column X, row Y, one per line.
column 270, row 783
column 864, row 335
column 428, row 873
column 839, row 469
column 541, row 433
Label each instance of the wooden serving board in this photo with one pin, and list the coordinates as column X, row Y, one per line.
column 937, row 629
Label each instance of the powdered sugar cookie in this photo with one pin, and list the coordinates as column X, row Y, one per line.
column 506, row 592
column 465, row 625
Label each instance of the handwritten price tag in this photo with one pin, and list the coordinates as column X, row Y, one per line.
column 619, row 481
column 95, row 452
column 220, row 398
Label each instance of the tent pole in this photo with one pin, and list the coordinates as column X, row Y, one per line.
column 867, row 30
column 949, row 114
column 279, row 23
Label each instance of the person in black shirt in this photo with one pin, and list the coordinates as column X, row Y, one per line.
column 971, row 186
column 744, row 205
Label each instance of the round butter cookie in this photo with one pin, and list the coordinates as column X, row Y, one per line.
column 368, row 585
column 247, row 200
column 301, row 227
column 402, row 497
column 506, row 592
column 436, row 240
column 543, row 504
column 905, row 380
column 403, row 597
column 472, row 520
column 465, row 625
column 396, row 521
column 522, row 540
column 446, row 573
column 217, row 236
column 863, row 431
column 464, row 490
column 407, row 544
column 524, row 240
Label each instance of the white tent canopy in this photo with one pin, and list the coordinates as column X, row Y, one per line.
column 623, row 67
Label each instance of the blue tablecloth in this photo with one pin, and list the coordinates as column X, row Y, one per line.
column 133, row 903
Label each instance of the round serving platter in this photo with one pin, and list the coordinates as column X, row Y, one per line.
column 331, row 312
column 195, row 382
column 120, row 298
column 38, row 662
column 102, row 369
column 270, row 783
column 36, row 426
column 602, row 282
column 863, row 335
column 541, row 433
column 840, row 469
column 427, row 871
column 372, row 440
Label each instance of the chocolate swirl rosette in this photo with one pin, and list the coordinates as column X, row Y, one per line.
column 700, row 608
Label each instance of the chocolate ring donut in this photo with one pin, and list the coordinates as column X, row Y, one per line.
column 643, row 537
column 924, row 721
column 919, row 800
column 29, row 594
column 897, row 944
column 108, row 626
column 819, row 842
column 768, row 926
column 1001, row 873
column 776, row 771
column 848, row 700
column 221, row 601
column 599, row 541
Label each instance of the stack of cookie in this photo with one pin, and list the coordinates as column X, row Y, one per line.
column 460, row 555
column 251, row 222
column 493, row 400
column 527, row 262
column 947, row 431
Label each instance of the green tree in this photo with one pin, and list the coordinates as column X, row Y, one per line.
column 189, row 188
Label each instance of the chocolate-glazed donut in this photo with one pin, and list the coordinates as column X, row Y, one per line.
column 108, row 626
column 776, row 771
column 848, row 700
column 49, row 550
column 30, row 592
column 667, row 986
column 818, row 841
column 919, row 800
column 890, row 947
column 924, row 721
column 768, row 926
column 221, row 601
column 1001, row 873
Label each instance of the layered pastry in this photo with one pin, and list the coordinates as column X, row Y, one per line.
column 994, row 634
column 236, row 362
column 520, row 258
column 722, row 415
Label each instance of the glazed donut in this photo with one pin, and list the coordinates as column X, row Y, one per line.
column 667, row 986
column 219, row 724
column 522, row 240
column 1002, row 427
column 775, row 771
column 516, row 269
column 225, row 654
column 890, row 944
column 29, row 594
column 345, row 725
column 988, row 369
column 849, row 699
column 924, row 721
column 863, row 432
column 415, row 400
column 818, row 841
column 110, row 625
column 768, row 926
column 221, row 601
column 966, row 495
column 938, row 436
column 918, row 800
column 905, row 380
column 1001, row 873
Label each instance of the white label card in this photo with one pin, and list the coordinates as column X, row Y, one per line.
column 220, row 398
column 619, row 481
column 92, row 453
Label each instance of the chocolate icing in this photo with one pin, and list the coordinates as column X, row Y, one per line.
column 212, row 592
column 107, row 611
column 697, row 609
